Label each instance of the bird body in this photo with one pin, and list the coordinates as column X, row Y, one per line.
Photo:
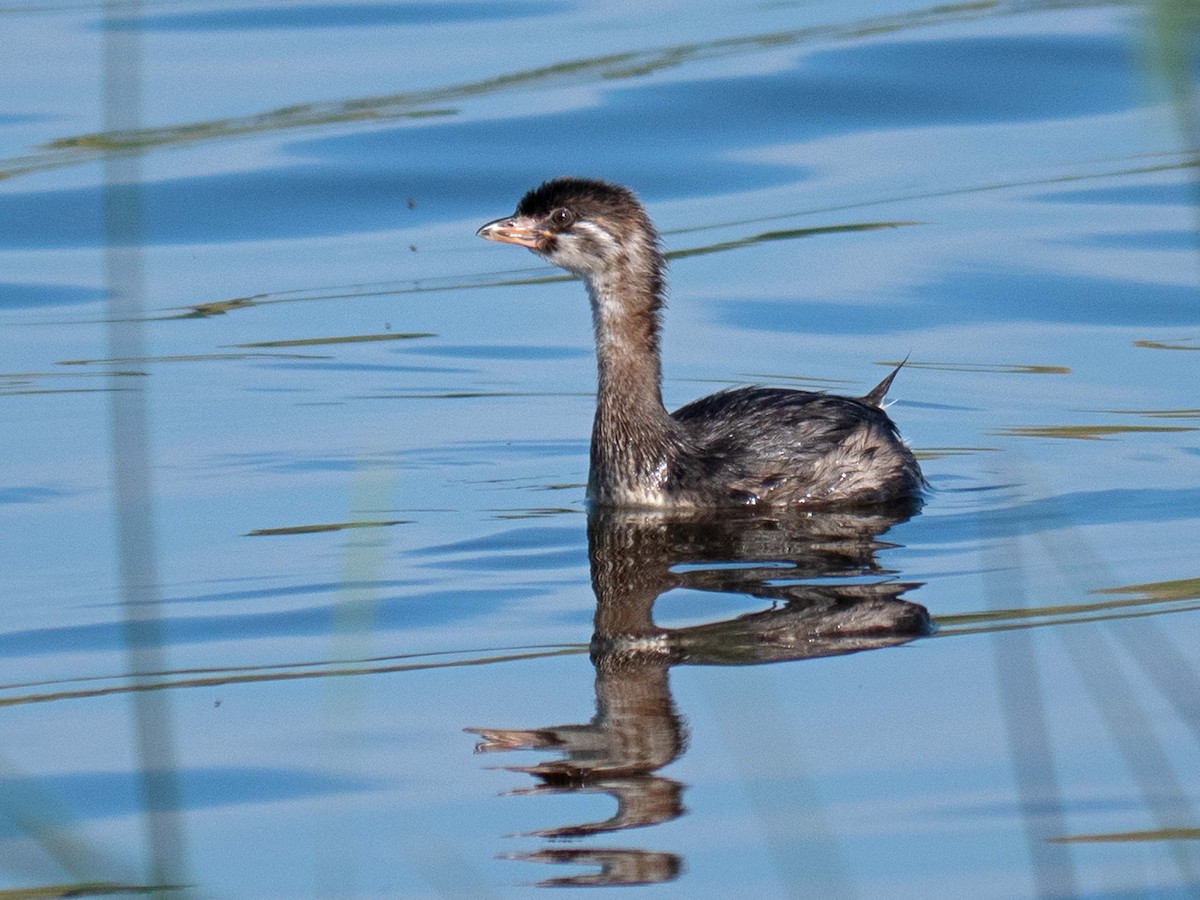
column 744, row 446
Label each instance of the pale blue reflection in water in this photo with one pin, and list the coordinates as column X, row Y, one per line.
column 368, row 443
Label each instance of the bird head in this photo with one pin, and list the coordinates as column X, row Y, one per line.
column 581, row 225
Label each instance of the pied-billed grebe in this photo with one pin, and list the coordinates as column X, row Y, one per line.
column 750, row 445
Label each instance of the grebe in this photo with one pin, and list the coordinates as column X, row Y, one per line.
column 745, row 446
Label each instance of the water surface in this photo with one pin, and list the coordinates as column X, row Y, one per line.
column 302, row 596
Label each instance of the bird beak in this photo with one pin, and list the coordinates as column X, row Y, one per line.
column 511, row 230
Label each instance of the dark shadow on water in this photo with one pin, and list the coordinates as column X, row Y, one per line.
column 997, row 296
column 15, row 295
column 309, row 16
column 828, row 596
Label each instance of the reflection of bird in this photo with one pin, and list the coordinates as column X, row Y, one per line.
column 828, row 596
column 752, row 445
column 818, row 570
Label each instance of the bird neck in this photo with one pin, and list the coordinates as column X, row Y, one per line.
column 632, row 432
column 626, row 317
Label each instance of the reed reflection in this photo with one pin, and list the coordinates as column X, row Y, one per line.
column 635, row 558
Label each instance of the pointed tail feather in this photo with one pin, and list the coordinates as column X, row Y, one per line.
column 875, row 396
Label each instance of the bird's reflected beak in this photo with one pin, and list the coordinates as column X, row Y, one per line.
column 512, row 230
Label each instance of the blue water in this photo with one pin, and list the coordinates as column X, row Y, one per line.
column 243, row 654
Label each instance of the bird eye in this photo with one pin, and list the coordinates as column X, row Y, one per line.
column 562, row 217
